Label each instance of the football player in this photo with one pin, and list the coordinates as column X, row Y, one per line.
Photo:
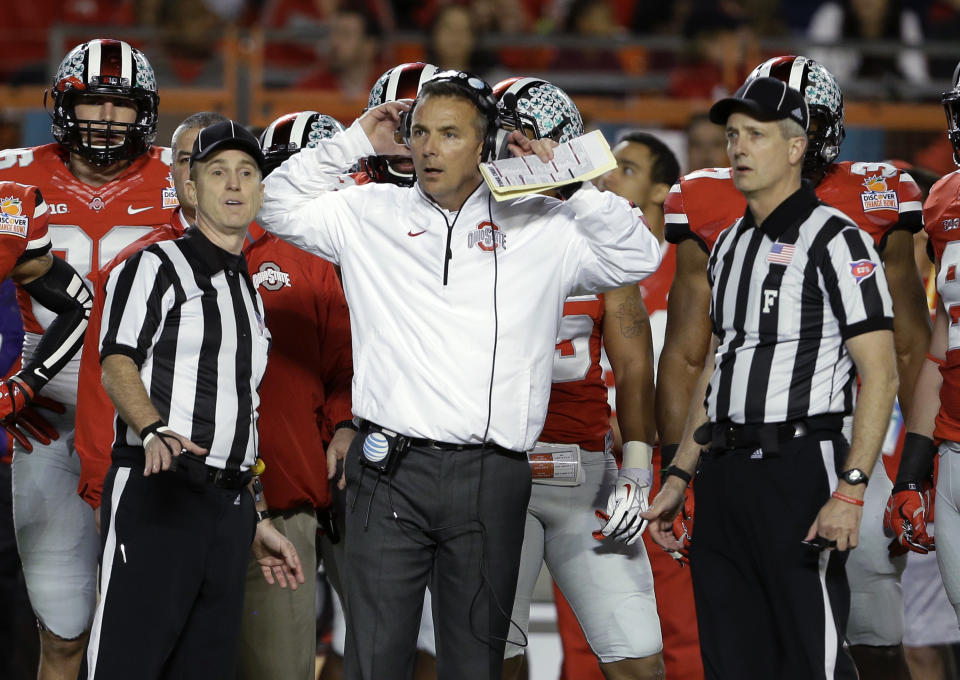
column 105, row 185
column 886, row 203
column 609, row 585
column 935, row 421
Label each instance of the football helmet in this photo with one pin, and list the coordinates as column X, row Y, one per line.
column 111, row 68
column 951, row 105
column 400, row 82
column 539, row 108
column 824, row 99
column 294, row 132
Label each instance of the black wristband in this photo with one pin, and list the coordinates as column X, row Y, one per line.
column 667, row 452
column 262, row 515
column 916, row 460
column 345, row 423
column 151, row 429
column 674, row 471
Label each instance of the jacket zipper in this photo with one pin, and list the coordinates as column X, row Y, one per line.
column 448, row 253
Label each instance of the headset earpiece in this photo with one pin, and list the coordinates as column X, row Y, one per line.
column 406, row 123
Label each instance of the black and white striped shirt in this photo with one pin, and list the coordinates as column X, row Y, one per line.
column 784, row 298
column 188, row 314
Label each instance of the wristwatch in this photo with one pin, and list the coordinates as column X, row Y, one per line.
column 855, row 476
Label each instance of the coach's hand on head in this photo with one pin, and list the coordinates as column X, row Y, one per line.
column 520, row 145
column 381, row 124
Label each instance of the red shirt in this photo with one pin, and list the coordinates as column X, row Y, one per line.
column 941, row 213
column 578, row 412
column 306, row 389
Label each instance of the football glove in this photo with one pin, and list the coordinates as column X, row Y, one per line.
column 622, row 520
column 30, row 422
column 905, row 518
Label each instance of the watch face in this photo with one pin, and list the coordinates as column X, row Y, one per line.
column 854, row 476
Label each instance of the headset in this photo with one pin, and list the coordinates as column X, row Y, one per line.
column 477, row 91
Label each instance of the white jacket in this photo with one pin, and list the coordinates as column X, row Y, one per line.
column 426, row 327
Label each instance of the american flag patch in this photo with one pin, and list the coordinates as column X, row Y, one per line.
column 780, row 253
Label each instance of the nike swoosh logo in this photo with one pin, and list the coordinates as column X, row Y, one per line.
column 133, row 211
column 410, row 233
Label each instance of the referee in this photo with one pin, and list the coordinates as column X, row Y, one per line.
column 799, row 306
column 183, row 348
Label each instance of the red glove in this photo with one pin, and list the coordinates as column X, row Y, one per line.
column 683, row 528
column 905, row 518
column 20, row 420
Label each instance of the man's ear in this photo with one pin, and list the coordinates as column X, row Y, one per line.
column 659, row 192
column 190, row 189
column 798, row 147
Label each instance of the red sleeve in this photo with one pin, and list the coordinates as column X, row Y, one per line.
column 335, row 346
column 23, row 225
column 701, row 206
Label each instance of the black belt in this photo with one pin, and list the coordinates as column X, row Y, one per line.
column 367, row 426
column 192, row 470
column 767, row 436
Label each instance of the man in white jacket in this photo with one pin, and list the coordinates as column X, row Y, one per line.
column 455, row 302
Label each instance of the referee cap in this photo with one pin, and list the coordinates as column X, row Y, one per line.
column 226, row 135
column 765, row 99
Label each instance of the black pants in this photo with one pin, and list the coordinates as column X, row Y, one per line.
column 769, row 606
column 454, row 519
column 172, row 578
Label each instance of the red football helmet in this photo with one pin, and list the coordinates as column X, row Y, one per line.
column 400, row 82
column 111, row 68
column 294, row 132
column 824, row 99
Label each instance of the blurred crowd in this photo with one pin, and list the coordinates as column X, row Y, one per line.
column 694, row 48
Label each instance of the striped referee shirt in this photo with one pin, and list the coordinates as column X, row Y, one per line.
column 784, row 298
column 187, row 313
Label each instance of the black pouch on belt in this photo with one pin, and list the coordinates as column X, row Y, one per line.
column 381, row 448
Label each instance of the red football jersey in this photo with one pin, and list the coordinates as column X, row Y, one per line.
column 879, row 197
column 306, row 389
column 24, row 218
column 578, row 412
column 88, row 225
column 942, row 216
column 95, row 412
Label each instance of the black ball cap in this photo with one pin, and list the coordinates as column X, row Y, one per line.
column 226, row 135
column 765, row 99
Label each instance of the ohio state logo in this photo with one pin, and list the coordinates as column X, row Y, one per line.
column 271, row 277
column 486, row 236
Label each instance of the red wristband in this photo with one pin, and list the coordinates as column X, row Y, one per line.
column 846, row 499
column 938, row 362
